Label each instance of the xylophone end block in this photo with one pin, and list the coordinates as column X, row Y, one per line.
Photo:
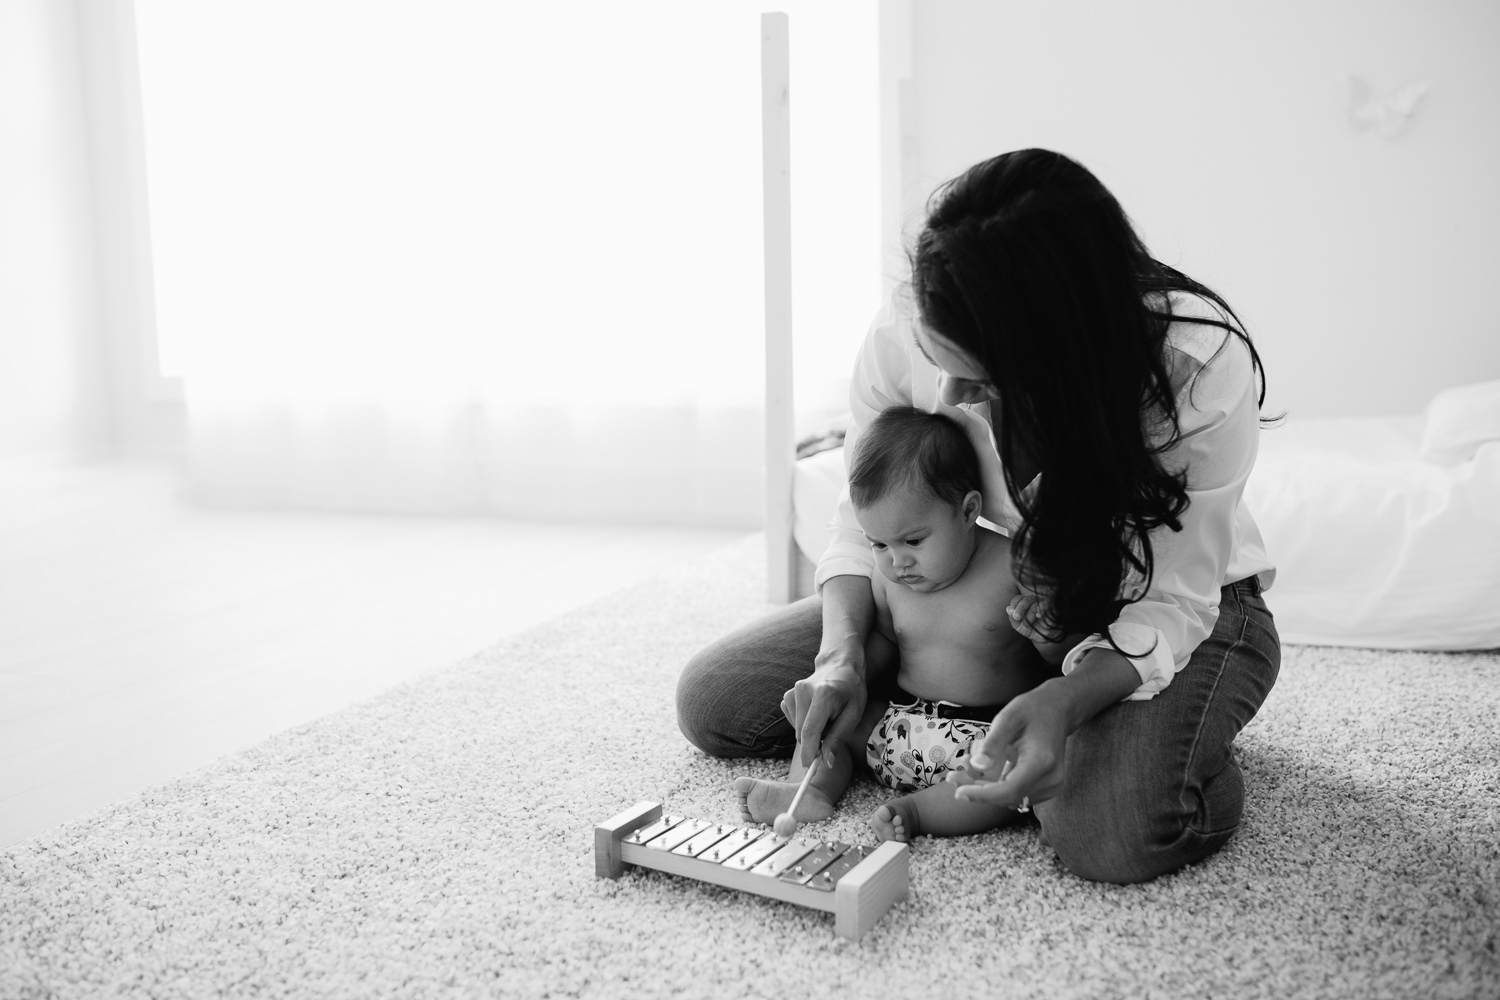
column 862, row 896
column 608, row 862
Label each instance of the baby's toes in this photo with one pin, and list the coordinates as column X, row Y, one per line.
column 886, row 823
column 742, row 788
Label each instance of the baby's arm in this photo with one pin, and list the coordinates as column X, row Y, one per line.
column 1026, row 612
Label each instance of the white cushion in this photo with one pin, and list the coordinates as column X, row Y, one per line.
column 1458, row 420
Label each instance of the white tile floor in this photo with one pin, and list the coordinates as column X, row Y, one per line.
column 142, row 637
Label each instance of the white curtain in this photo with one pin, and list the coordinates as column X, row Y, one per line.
column 487, row 257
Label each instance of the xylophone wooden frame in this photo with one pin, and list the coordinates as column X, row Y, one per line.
column 858, row 900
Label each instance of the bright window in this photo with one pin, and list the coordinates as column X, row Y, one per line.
column 560, row 197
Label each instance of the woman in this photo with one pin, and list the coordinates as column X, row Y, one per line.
column 1115, row 403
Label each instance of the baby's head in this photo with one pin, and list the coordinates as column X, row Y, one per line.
column 914, row 482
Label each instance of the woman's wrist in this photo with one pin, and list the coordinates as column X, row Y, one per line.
column 840, row 658
column 1056, row 652
column 1101, row 678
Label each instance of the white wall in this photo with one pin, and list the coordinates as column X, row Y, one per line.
column 1364, row 263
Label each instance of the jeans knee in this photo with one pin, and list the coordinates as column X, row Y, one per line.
column 709, row 741
column 729, row 694
column 719, row 716
column 697, row 710
column 1121, row 857
column 1123, row 845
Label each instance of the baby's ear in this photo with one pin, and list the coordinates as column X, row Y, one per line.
column 973, row 506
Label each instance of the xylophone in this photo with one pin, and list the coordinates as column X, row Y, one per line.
column 857, row 884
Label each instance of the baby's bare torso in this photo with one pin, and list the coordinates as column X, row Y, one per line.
column 957, row 644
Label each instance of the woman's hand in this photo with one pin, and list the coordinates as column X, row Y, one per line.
column 1020, row 762
column 826, row 707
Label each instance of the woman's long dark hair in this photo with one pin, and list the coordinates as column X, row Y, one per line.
column 1030, row 266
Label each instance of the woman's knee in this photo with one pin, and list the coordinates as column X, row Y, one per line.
column 707, row 716
column 1127, row 856
column 1129, row 842
column 729, row 694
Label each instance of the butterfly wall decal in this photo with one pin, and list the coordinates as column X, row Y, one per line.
column 1389, row 115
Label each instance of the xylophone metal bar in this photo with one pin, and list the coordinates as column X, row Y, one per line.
column 862, row 892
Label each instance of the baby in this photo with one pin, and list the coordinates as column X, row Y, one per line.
column 941, row 591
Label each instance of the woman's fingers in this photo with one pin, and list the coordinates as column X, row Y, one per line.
column 842, row 726
column 959, row 776
column 1025, row 776
column 988, row 754
column 1025, row 783
column 801, row 697
column 823, row 709
column 810, row 736
column 990, row 757
column 1017, row 762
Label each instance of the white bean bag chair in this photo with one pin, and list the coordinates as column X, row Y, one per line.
column 1385, row 531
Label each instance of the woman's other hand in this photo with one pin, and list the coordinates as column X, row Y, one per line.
column 1027, row 742
column 1020, row 762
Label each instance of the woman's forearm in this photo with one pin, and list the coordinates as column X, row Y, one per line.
column 1055, row 652
column 1101, row 678
column 848, row 614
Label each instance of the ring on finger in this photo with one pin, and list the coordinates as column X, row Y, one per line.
column 1025, row 806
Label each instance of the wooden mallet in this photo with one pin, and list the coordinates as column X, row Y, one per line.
column 786, row 823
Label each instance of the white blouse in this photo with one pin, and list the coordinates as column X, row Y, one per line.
column 1220, row 433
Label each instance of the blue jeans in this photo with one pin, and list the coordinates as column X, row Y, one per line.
column 1151, row 786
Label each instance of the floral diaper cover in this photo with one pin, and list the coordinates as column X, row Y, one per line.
column 914, row 745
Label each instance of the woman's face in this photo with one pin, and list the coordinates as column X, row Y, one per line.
column 960, row 378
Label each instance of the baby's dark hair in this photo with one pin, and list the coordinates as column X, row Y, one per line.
column 905, row 446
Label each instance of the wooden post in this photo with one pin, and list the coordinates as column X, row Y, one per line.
column 900, row 194
column 776, row 182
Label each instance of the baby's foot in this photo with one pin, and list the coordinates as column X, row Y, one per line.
column 896, row 820
column 762, row 800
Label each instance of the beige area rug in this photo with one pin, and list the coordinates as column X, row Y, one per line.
column 437, row 841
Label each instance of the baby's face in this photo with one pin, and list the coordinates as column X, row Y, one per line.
column 919, row 542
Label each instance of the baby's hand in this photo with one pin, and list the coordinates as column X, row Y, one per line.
column 1028, row 616
column 1027, row 613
